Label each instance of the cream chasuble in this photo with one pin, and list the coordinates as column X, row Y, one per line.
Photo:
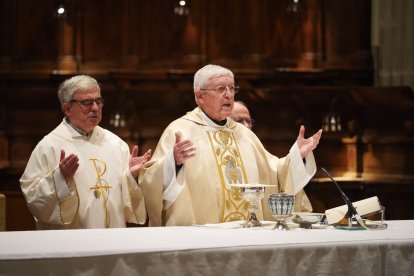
column 103, row 192
column 198, row 193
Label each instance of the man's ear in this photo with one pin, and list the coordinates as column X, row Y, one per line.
column 66, row 108
column 199, row 96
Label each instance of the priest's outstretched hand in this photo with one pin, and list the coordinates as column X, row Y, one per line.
column 309, row 144
column 183, row 149
column 68, row 165
column 136, row 162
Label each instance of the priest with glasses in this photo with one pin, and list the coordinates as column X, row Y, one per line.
column 81, row 175
column 188, row 179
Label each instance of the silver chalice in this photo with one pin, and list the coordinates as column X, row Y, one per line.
column 281, row 206
column 252, row 193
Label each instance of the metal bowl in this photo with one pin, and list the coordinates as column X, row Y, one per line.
column 305, row 220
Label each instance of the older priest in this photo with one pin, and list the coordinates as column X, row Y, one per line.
column 187, row 180
column 81, row 175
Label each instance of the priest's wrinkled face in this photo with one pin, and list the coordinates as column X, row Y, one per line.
column 216, row 98
column 85, row 109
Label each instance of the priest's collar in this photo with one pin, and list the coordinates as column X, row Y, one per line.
column 211, row 122
column 79, row 130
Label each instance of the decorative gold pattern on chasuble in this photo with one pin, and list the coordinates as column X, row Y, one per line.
column 231, row 171
column 101, row 187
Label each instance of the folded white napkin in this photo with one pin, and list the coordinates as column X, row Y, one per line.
column 363, row 207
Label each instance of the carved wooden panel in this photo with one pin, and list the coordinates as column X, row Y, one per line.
column 263, row 33
column 347, row 34
column 293, row 35
column 163, row 37
column 28, row 35
column 100, row 33
column 107, row 36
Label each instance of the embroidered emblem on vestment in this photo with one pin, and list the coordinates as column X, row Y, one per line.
column 231, row 171
column 101, row 187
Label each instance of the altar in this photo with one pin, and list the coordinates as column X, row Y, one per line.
column 209, row 250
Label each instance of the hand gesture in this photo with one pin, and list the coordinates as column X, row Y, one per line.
column 307, row 145
column 183, row 150
column 68, row 165
column 136, row 162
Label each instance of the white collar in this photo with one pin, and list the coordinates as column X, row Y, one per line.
column 210, row 122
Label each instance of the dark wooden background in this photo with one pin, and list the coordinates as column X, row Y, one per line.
column 293, row 67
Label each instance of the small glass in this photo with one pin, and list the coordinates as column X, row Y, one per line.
column 376, row 220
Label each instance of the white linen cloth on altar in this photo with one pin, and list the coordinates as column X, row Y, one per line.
column 208, row 250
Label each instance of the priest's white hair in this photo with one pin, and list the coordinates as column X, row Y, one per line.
column 209, row 71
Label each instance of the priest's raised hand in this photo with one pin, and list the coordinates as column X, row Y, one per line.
column 309, row 144
column 136, row 162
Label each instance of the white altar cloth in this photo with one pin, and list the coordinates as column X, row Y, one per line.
column 199, row 250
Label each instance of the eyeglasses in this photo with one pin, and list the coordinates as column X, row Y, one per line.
column 242, row 120
column 221, row 89
column 89, row 102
